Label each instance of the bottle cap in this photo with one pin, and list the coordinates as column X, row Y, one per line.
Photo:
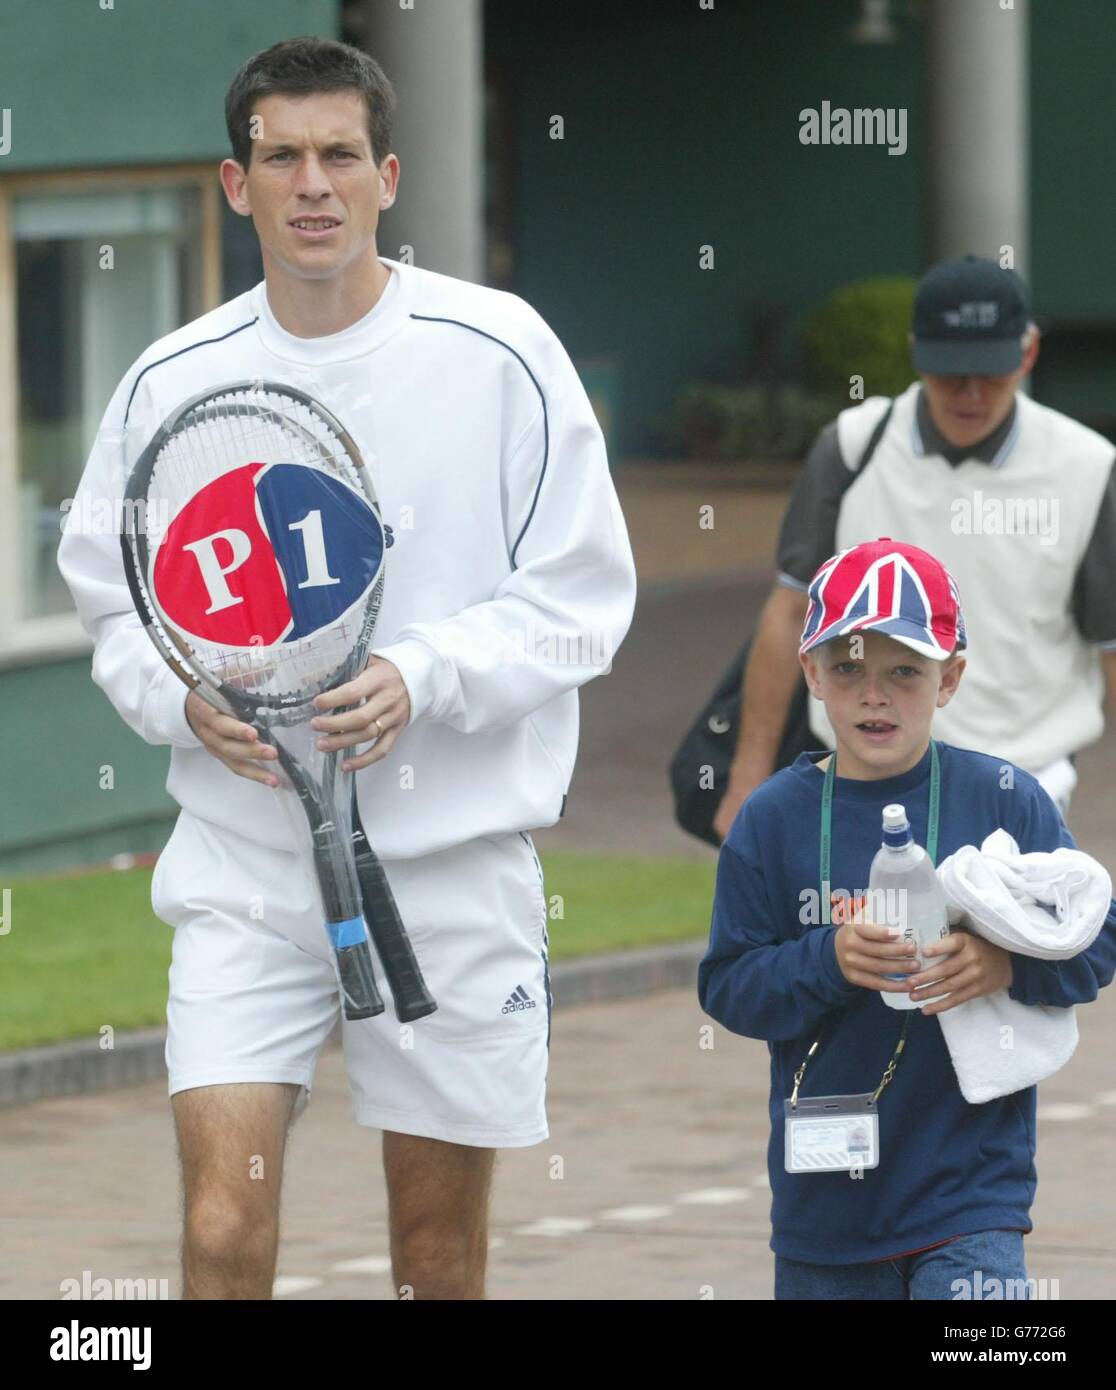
column 896, row 827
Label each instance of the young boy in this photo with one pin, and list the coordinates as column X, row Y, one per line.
column 952, row 1190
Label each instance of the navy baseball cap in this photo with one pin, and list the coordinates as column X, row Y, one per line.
column 969, row 318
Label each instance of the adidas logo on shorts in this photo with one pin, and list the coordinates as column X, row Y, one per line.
column 518, row 1000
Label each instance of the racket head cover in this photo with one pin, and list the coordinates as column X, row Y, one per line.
column 262, row 579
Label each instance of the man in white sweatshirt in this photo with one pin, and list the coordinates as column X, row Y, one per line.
column 510, row 584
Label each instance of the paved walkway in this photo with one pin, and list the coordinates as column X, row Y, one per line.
column 652, row 1185
column 660, row 1144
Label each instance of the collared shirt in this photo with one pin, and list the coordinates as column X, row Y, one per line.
column 993, row 449
column 808, row 534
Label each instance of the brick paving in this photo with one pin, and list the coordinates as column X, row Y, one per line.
column 652, row 1184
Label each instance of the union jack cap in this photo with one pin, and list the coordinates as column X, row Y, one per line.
column 888, row 587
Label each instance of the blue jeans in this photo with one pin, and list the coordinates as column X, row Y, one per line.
column 931, row 1274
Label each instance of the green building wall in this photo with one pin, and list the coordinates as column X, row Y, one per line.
column 78, row 784
column 681, row 130
column 141, row 83
column 1073, row 206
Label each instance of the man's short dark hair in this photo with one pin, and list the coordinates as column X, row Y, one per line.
column 300, row 67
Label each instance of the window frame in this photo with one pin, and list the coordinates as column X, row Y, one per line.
column 28, row 641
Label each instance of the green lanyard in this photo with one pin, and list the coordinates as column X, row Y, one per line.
column 827, row 823
column 825, row 852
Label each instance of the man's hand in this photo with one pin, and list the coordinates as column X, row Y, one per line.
column 742, row 783
column 964, row 964
column 386, row 705
column 867, row 953
column 235, row 744
column 730, row 805
column 385, row 709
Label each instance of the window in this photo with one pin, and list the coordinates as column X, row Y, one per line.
column 99, row 276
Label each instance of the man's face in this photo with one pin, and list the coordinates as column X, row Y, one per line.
column 880, row 697
column 312, row 187
column 966, row 409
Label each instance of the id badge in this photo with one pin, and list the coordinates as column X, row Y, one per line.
column 831, row 1134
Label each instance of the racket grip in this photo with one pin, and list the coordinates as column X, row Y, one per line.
column 360, row 996
column 412, row 999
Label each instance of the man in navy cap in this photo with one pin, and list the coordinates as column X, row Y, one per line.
column 1016, row 499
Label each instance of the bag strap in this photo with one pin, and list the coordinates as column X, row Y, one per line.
column 874, row 440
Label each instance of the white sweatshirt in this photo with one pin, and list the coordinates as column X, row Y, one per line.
column 509, row 584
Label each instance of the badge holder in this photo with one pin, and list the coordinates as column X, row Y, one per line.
column 831, row 1134
column 835, row 1134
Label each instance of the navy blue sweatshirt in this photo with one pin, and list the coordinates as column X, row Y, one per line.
column 947, row 1168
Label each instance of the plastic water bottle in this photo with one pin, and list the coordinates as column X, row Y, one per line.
column 904, row 892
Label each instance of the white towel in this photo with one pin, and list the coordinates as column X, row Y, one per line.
column 1049, row 905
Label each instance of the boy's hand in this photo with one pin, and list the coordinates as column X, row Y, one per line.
column 867, row 953
column 964, row 964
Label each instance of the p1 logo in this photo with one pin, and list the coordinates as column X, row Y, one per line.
column 266, row 553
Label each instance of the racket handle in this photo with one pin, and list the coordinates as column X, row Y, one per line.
column 359, row 994
column 393, row 945
column 344, row 924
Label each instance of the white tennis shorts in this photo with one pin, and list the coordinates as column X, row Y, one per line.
column 254, row 994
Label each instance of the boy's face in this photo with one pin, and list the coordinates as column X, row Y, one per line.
column 880, row 697
column 312, row 162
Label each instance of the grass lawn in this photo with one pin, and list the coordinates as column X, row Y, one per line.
column 86, row 951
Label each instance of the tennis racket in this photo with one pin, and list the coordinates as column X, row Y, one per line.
column 261, row 592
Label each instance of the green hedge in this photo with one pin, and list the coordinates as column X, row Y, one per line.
column 861, row 330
